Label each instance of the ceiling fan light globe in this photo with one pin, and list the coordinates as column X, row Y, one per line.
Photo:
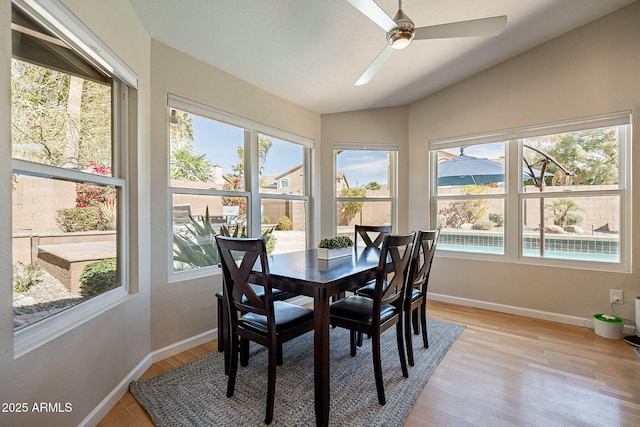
column 399, row 38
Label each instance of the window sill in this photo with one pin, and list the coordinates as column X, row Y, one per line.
column 34, row 336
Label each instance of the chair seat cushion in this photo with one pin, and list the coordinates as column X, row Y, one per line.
column 357, row 308
column 415, row 294
column 286, row 315
column 368, row 289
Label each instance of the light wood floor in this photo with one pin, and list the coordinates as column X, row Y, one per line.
column 503, row 370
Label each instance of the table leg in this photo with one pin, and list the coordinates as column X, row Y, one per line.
column 321, row 355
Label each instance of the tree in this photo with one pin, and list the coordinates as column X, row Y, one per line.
column 264, row 145
column 58, row 119
column 591, row 155
column 373, row 186
column 348, row 210
column 185, row 164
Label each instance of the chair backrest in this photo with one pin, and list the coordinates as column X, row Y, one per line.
column 238, row 257
column 366, row 232
column 390, row 282
column 421, row 260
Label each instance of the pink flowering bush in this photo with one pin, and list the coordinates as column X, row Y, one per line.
column 236, row 184
column 90, row 195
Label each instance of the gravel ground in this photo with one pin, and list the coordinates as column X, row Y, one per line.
column 42, row 299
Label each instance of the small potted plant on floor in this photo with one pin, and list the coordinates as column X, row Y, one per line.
column 334, row 247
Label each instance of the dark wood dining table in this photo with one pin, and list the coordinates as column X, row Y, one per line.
column 302, row 273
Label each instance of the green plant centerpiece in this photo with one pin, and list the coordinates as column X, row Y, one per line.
column 334, row 247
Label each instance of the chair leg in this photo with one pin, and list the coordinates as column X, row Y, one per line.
column 359, row 339
column 280, row 357
column 403, row 360
column 414, row 319
column 407, row 337
column 233, row 364
column 377, row 367
column 423, row 321
column 353, row 336
column 271, row 382
column 244, row 352
column 221, row 342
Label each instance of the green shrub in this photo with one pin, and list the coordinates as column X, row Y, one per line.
column 441, row 221
column 336, row 242
column 79, row 219
column 98, row 277
column 285, row 224
column 271, row 241
column 497, row 218
column 483, row 225
column 25, row 276
column 266, row 219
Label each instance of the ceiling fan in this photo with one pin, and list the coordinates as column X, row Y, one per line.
column 401, row 31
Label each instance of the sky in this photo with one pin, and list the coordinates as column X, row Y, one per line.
column 219, row 142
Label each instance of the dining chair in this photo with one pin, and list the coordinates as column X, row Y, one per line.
column 415, row 300
column 251, row 318
column 223, row 319
column 371, row 235
column 374, row 315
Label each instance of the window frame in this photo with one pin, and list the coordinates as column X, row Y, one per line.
column 252, row 130
column 514, row 196
column 393, row 178
column 61, row 22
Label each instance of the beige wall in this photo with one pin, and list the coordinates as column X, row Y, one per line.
column 378, row 126
column 592, row 70
column 182, row 310
column 81, row 366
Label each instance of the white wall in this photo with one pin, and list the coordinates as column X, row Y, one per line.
column 591, row 70
column 185, row 309
column 83, row 366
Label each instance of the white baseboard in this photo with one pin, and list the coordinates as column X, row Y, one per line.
column 184, row 345
column 521, row 311
column 116, row 394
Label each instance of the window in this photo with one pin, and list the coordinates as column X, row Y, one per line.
column 69, row 187
column 229, row 176
column 284, row 205
column 365, row 186
column 563, row 200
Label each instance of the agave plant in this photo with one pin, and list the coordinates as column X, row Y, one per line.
column 196, row 245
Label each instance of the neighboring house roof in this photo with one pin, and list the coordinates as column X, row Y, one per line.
column 289, row 172
column 340, row 176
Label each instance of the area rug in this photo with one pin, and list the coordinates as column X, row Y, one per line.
column 194, row 394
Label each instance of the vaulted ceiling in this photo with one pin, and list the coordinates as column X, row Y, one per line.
column 311, row 52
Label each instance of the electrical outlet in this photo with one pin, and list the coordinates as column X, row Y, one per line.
column 615, row 296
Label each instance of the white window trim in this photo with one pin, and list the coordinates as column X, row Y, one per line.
column 60, row 21
column 252, row 130
column 55, row 17
column 513, row 198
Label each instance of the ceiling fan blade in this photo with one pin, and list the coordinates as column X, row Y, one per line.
column 473, row 28
column 372, row 11
column 373, row 68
